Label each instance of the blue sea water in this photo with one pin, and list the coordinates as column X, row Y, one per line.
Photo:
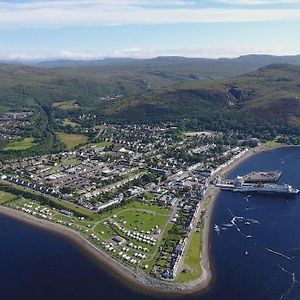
column 256, row 254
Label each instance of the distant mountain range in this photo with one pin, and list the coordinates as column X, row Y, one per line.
column 255, row 60
column 160, row 88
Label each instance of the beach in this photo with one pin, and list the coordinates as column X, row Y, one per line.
column 138, row 280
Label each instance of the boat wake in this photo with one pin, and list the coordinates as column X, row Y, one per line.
column 217, row 229
column 236, row 221
column 292, row 285
column 278, row 253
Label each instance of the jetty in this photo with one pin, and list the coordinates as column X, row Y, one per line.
column 257, row 186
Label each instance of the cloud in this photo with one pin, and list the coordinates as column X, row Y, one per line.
column 140, row 53
column 126, row 12
column 258, row 2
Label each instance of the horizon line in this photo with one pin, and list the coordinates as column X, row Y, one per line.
column 103, row 58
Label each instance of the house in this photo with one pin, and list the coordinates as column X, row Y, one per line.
column 119, row 240
column 66, row 212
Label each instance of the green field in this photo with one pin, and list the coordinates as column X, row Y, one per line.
column 104, row 232
column 6, row 197
column 68, row 122
column 142, row 220
column 129, row 211
column 66, row 105
column 72, row 140
column 271, row 144
column 192, row 263
column 20, row 145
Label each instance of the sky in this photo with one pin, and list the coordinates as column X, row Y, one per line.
column 93, row 29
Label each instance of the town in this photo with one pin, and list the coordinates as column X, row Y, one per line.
column 136, row 191
column 13, row 124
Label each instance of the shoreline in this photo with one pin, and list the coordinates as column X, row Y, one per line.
column 138, row 281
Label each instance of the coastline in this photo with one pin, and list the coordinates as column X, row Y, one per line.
column 211, row 199
column 136, row 281
column 139, row 281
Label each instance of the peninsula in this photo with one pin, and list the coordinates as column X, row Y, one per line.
column 136, row 203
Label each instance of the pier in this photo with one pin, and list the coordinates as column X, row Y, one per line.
column 239, row 185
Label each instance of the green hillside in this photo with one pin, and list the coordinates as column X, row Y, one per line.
column 272, row 93
column 152, row 90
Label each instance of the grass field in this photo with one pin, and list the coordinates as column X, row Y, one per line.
column 192, row 262
column 72, row 140
column 154, row 208
column 271, row 144
column 6, row 197
column 20, row 145
column 104, row 232
column 142, row 220
column 68, row 122
column 66, row 105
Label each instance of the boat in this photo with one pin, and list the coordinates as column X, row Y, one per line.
column 239, row 185
column 284, row 189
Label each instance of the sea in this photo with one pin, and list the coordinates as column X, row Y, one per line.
column 255, row 245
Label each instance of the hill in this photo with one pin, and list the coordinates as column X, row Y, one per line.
column 217, row 93
column 246, row 61
column 88, row 81
column 271, row 93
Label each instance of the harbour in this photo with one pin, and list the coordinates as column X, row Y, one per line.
column 257, row 182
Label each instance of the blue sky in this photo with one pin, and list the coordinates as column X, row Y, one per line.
column 88, row 29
